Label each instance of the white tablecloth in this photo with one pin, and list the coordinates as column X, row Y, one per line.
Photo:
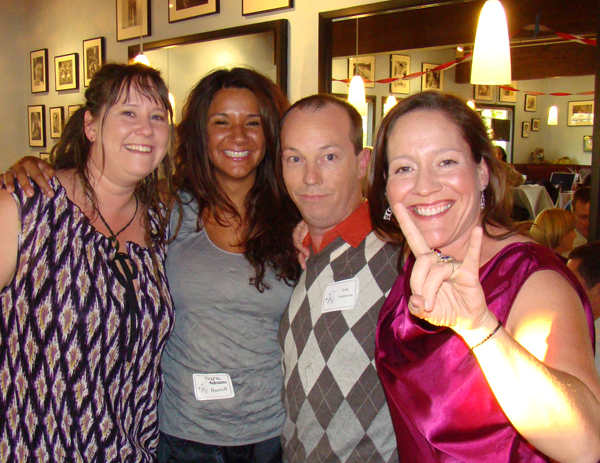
column 534, row 198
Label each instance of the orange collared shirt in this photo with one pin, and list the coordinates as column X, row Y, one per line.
column 353, row 229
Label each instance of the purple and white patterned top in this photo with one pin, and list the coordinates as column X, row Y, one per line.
column 67, row 391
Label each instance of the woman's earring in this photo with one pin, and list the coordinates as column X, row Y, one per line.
column 482, row 199
column 388, row 214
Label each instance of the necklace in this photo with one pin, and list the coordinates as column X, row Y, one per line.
column 113, row 236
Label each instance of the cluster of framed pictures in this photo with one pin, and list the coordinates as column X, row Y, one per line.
column 527, row 127
column 66, row 67
column 36, row 116
column 487, row 93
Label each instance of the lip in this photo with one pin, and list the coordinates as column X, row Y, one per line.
column 432, row 210
column 311, row 197
column 139, row 148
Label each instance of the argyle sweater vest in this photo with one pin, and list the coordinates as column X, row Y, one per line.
column 336, row 407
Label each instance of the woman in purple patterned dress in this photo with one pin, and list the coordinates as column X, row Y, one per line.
column 484, row 345
column 86, row 309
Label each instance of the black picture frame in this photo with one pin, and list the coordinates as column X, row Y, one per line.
column 36, row 118
column 180, row 11
column 131, row 22
column 39, row 62
column 250, row 7
column 71, row 109
column 525, row 128
column 535, row 124
column 94, row 56
column 530, row 104
column 66, row 72
column 431, row 80
column 56, row 118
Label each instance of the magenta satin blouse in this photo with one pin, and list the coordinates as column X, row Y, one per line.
column 441, row 405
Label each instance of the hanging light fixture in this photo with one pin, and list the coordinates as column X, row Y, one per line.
column 491, row 54
column 356, row 93
column 553, row 115
column 140, row 57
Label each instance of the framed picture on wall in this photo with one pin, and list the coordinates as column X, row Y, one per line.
column 483, row 93
column 580, row 113
column 530, row 103
column 93, row 58
column 57, row 118
column 431, row 80
column 261, row 6
column 37, row 125
column 587, row 143
column 45, row 157
column 507, row 96
column 187, row 9
column 39, row 70
column 363, row 66
column 399, row 67
column 71, row 110
column 133, row 18
column 525, row 130
column 66, row 72
column 535, row 125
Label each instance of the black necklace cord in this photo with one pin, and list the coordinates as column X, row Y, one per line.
column 113, row 236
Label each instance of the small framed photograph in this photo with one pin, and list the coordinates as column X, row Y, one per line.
column 262, row 6
column 507, row 96
column 399, row 67
column 535, row 124
column 363, row 66
column 45, row 157
column 431, row 80
column 66, row 72
column 39, row 70
column 525, row 130
column 72, row 109
column 587, row 143
column 133, row 18
column 57, row 118
column 580, row 113
column 530, row 103
column 180, row 10
column 37, row 125
column 483, row 93
column 93, row 58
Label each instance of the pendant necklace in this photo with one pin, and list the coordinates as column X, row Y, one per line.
column 113, row 236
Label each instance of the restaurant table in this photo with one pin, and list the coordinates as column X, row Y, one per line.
column 534, row 198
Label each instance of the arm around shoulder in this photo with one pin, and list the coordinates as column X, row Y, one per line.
column 9, row 238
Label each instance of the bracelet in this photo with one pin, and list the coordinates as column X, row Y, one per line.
column 487, row 338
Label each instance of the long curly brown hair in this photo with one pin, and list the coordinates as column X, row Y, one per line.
column 270, row 216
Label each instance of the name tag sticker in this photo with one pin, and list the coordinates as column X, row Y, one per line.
column 213, row 387
column 341, row 295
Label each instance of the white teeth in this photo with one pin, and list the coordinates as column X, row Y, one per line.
column 429, row 211
column 144, row 149
column 236, row 154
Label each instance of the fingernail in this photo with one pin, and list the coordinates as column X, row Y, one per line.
column 427, row 306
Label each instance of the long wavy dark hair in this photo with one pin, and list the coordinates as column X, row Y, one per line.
column 498, row 203
column 108, row 86
column 270, row 215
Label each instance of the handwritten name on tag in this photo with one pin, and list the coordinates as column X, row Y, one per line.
column 341, row 295
column 213, row 387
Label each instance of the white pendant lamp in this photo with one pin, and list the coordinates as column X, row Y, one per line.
column 356, row 93
column 491, row 55
column 553, row 115
column 389, row 103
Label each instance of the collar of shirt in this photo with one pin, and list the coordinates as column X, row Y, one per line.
column 353, row 229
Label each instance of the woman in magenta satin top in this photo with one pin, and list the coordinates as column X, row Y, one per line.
column 484, row 345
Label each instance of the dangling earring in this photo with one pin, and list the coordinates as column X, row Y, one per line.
column 482, row 199
column 388, row 214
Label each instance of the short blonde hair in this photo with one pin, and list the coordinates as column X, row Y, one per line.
column 551, row 225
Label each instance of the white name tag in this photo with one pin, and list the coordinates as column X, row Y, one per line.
column 341, row 295
column 213, row 387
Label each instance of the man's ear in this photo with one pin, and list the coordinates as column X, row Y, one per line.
column 89, row 126
column 594, row 295
column 364, row 157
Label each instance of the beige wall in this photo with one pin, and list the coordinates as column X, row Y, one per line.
column 62, row 25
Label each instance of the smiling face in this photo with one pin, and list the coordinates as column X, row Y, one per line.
column 433, row 173
column 131, row 139
column 321, row 169
column 236, row 140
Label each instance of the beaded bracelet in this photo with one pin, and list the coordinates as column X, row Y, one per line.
column 488, row 336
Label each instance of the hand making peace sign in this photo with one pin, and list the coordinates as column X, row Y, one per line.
column 444, row 293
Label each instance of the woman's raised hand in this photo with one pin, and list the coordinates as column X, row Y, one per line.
column 300, row 232
column 444, row 293
column 26, row 168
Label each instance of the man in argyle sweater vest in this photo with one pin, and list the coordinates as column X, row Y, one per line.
column 336, row 408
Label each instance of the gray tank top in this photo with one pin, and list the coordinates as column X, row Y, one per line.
column 223, row 325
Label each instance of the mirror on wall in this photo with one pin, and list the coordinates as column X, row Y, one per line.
column 183, row 61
